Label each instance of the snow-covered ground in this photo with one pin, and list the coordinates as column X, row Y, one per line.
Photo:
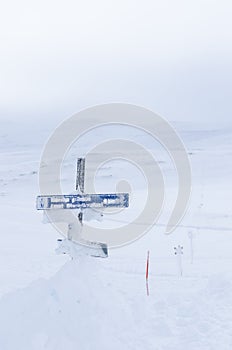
column 50, row 302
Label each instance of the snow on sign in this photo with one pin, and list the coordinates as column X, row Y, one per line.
column 80, row 201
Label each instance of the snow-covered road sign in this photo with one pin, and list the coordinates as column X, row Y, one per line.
column 81, row 201
column 178, row 250
column 55, row 205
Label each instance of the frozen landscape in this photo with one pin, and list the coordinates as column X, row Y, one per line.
column 51, row 302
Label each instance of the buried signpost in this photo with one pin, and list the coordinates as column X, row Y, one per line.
column 55, row 205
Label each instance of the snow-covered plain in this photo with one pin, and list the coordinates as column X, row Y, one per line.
column 50, row 302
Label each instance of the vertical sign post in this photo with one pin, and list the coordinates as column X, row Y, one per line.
column 179, row 252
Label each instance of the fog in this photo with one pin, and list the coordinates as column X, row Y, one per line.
column 57, row 57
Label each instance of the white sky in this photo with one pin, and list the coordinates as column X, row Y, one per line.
column 173, row 56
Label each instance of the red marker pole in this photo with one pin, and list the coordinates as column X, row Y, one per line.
column 147, row 272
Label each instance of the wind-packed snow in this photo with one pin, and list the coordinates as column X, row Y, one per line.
column 51, row 302
column 92, row 304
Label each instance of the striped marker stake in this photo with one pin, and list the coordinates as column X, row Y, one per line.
column 147, row 272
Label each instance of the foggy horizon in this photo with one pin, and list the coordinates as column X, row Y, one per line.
column 171, row 57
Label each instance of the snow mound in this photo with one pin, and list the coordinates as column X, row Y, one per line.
column 89, row 305
column 73, row 307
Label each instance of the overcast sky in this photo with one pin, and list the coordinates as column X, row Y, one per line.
column 173, row 56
